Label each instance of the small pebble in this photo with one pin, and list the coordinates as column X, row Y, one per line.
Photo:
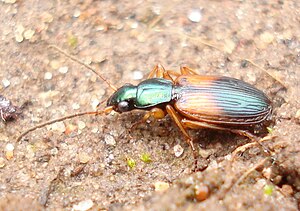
column 156, row 9
column 95, row 130
column 111, row 156
column 2, row 162
column 112, row 178
column 28, row 34
column 63, row 69
column 84, row 157
column 81, row 125
column 30, row 151
column 267, row 37
column 75, row 106
column 95, row 103
column 19, row 37
column 20, row 29
column 84, row 205
column 297, row 116
column 110, row 140
column 5, row 82
column 76, row 13
column 9, row 151
column 54, row 151
column 205, row 153
column 9, row 147
column 58, row 126
column 19, row 33
column 195, row 15
column 54, row 64
column 161, row 186
column 70, row 128
column 48, row 76
column 134, row 25
column 201, row 192
column 9, row 1
column 47, row 103
column 137, row 75
column 178, row 150
column 229, row 46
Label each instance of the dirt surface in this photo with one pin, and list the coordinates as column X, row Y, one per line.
column 95, row 161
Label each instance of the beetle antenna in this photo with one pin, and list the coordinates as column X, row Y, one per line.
column 84, row 64
column 99, row 112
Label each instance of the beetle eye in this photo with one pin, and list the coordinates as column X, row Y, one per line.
column 123, row 106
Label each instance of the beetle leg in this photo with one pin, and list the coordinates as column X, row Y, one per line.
column 156, row 113
column 197, row 124
column 177, row 119
column 157, row 72
column 187, row 71
column 160, row 72
column 171, row 75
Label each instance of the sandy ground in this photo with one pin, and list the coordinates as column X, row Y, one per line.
column 95, row 161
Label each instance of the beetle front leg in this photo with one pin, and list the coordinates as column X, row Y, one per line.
column 157, row 72
column 156, row 113
column 160, row 72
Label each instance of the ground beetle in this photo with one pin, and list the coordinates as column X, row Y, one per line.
column 191, row 100
column 195, row 101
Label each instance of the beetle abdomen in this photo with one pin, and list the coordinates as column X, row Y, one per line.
column 220, row 100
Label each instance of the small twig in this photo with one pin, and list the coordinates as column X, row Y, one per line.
column 251, row 144
column 247, row 173
column 233, row 182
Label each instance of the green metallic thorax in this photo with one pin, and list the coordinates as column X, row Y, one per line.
column 152, row 92
column 148, row 93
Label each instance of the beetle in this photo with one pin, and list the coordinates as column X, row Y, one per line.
column 191, row 100
column 194, row 101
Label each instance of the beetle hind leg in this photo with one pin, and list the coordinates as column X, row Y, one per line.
column 255, row 140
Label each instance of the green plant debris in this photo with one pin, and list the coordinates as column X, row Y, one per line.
column 72, row 41
column 131, row 163
column 268, row 190
column 145, row 157
column 270, row 129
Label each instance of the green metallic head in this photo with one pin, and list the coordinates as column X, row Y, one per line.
column 123, row 99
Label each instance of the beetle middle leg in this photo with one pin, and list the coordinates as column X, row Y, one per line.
column 178, row 119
